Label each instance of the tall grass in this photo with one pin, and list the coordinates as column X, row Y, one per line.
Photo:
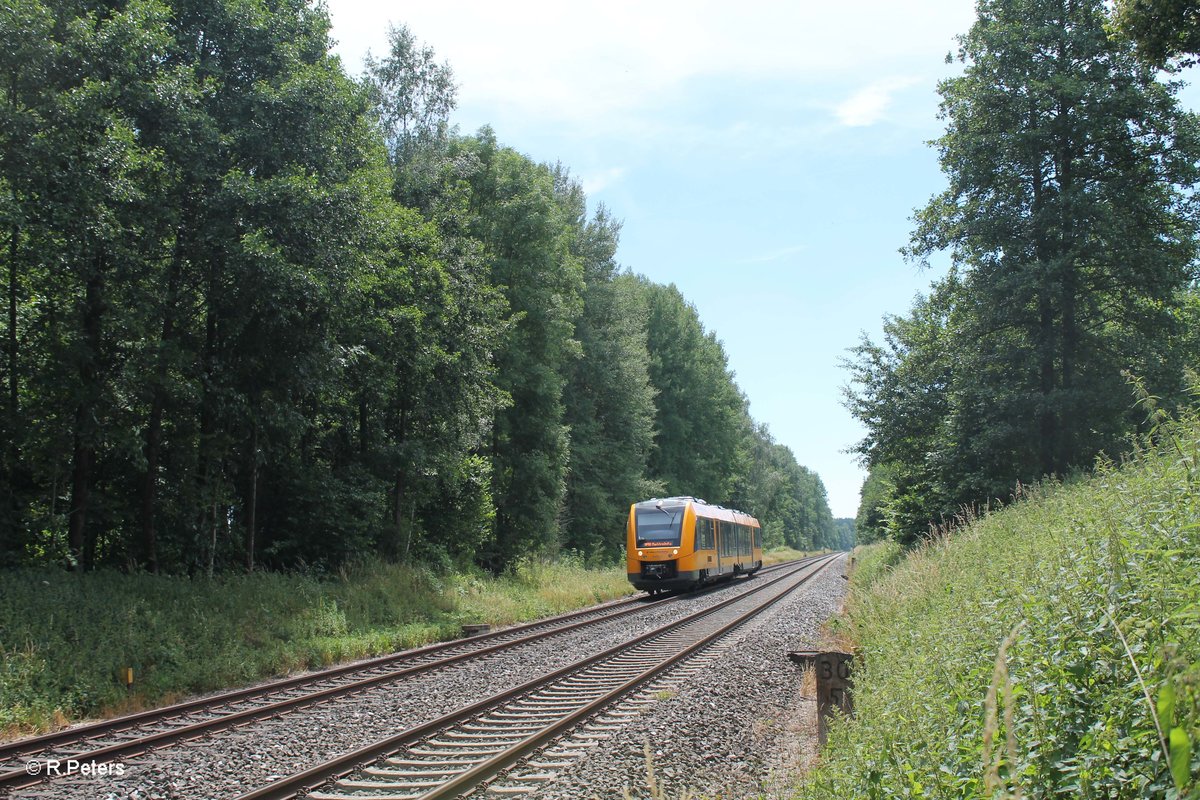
column 1050, row 649
column 65, row 639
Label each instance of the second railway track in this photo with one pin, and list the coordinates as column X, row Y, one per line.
column 459, row 751
column 127, row 736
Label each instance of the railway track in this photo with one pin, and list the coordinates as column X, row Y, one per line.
column 458, row 752
column 122, row 737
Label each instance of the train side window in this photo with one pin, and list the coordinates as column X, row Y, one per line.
column 704, row 534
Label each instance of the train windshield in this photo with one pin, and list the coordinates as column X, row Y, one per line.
column 659, row 526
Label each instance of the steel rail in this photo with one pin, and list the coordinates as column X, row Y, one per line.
column 19, row 778
column 19, row 747
column 344, row 765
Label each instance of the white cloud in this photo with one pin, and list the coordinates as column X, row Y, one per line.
column 871, row 103
column 586, row 62
column 598, row 181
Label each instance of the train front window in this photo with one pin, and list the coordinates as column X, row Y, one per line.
column 659, row 526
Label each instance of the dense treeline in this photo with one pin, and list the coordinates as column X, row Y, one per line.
column 259, row 312
column 1072, row 225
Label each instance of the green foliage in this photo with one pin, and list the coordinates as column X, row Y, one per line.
column 871, row 522
column 700, row 421
column 609, row 401
column 1048, row 649
column 526, row 231
column 65, row 638
column 264, row 315
column 1164, row 31
column 1073, row 235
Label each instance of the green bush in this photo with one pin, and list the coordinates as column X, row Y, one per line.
column 1050, row 649
column 65, row 638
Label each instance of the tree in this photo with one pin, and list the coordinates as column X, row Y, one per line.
column 1072, row 239
column 1163, row 30
column 526, row 234
column 871, row 521
column 413, row 94
column 608, row 399
column 701, row 420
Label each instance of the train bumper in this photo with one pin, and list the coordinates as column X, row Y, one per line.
column 663, row 575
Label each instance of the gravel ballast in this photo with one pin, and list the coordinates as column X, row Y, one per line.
column 230, row 763
column 738, row 728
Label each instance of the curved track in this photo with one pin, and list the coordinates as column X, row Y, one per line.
column 458, row 752
column 125, row 736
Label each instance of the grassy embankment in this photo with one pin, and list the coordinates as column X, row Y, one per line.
column 1049, row 649
column 65, row 638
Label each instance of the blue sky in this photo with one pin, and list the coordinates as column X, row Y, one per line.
column 765, row 157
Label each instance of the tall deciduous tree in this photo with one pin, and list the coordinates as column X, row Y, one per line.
column 608, row 399
column 1164, row 30
column 1072, row 237
column 527, row 236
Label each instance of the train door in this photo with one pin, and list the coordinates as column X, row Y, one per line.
column 719, row 532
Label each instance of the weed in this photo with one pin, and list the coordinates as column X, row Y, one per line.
column 65, row 638
column 1050, row 648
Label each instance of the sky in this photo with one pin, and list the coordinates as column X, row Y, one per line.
column 765, row 157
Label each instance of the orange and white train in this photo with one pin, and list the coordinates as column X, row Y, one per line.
column 683, row 542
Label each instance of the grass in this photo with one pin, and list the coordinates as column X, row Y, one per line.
column 1049, row 649
column 777, row 555
column 65, row 639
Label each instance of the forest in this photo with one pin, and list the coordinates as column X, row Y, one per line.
column 261, row 313
column 1070, row 311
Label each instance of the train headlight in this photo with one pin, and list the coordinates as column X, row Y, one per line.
column 674, row 552
column 640, row 554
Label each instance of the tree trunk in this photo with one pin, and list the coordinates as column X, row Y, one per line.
column 362, row 422
column 252, row 500
column 157, row 408
column 150, row 481
column 1047, row 418
column 12, row 459
column 84, row 454
column 13, row 384
column 205, row 457
column 1068, row 287
column 212, row 541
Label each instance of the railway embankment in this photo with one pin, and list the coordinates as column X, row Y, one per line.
column 1048, row 649
column 66, row 640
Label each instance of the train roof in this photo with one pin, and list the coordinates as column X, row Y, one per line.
column 701, row 508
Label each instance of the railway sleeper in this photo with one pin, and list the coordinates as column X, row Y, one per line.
column 398, row 774
column 356, row 796
column 572, row 744
column 618, row 716
column 511, row 790
column 412, row 762
column 587, row 691
column 548, row 705
column 460, row 749
column 533, row 777
column 495, row 737
column 350, row 783
column 507, row 726
column 487, row 723
column 527, row 715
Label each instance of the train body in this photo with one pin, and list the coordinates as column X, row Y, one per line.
column 682, row 543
